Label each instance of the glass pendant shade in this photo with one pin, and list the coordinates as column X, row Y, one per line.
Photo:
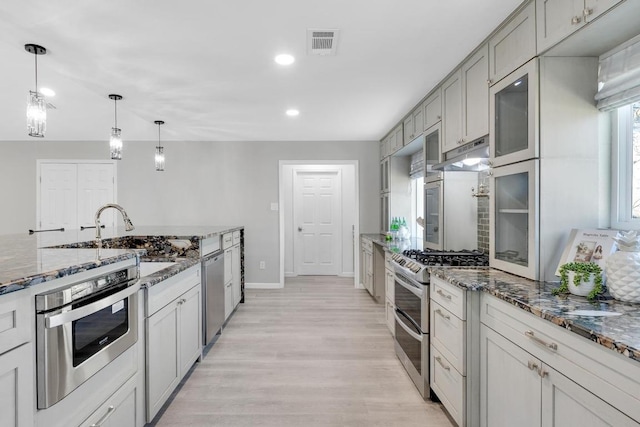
column 36, row 115
column 115, row 144
column 159, row 159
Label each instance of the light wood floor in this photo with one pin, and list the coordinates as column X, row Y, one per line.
column 316, row 353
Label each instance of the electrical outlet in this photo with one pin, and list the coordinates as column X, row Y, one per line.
column 262, row 265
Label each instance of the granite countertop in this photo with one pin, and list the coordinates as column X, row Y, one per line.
column 27, row 260
column 393, row 246
column 619, row 332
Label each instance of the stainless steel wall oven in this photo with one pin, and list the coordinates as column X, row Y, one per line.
column 81, row 328
column 412, row 329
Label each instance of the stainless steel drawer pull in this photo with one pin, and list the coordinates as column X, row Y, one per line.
column 552, row 346
column 439, row 292
column 442, row 314
column 439, row 360
column 104, row 418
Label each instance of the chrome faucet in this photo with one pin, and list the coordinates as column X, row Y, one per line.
column 128, row 225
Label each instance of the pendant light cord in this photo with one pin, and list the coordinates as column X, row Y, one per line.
column 159, row 144
column 115, row 112
column 36, row 59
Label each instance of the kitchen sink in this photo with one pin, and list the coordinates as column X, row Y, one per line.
column 148, row 268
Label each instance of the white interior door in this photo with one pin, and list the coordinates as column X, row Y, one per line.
column 71, row 192
column 317, row 222
column 58, row 196
column 95, row 189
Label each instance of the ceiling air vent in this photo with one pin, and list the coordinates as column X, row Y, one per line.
column 322, row 42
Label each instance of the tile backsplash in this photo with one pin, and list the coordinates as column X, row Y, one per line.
column 483, row 214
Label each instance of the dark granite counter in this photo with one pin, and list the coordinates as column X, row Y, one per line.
column 608, row 322
column 26, row 260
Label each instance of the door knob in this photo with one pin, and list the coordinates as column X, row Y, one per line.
column 299, row 228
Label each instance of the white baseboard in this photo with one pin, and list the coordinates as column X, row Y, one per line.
column 346, row 274
column 360, row 286
column 263, row 285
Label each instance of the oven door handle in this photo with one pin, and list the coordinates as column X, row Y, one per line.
column 417, row 292
column 55, row 320
column 405, row 327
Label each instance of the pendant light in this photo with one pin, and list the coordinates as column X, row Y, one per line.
column 115, row 142
column 159, row 150
column 36, row 105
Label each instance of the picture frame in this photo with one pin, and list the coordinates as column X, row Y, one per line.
column 588, row 246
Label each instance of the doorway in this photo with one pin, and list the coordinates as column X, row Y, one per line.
column 319, row 212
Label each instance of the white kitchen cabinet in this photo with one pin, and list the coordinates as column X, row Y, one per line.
column 228, row 282
column 432, row 152
column 367, row 264
column 433, row 222
column 514, row 113
column 517, row 385
column 384, row 175
column 452, row 112
column 513, row 228
column 384, row 147
column 475, row 95
column 549, row 376
column 413, row 125
column 15, row 320
column 513, row 45
column 454, row 321
column 557, row 19
column 120, row 410
column 395, row 139
column 432, row 109
column 16, row 387
column 389, row 293
column 174, row 335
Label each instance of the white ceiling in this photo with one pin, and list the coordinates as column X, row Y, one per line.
column 206, row 67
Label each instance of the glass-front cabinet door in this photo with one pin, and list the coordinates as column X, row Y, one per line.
column 513, row 121
column 433, row 219
column 514, row 224
column 432, row 152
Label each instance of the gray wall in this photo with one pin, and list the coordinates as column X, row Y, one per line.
column 205, row 183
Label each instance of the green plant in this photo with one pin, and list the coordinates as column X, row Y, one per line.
column 583, row 271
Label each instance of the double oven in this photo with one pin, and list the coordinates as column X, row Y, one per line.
column 412, row 327
column 81, row 328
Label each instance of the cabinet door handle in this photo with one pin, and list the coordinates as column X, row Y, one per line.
column 588, row 11
column 439, row 360
column 542, row 373
column 489, row 82
column 104, row 417
column 532, row 365
column 576, row 20
column 439, row 292
column 553, row 346
column 439, row 117
column 442, row 314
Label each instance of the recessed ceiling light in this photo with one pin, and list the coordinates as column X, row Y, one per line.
column 292, row 112
column 285, row 59
column 47, row 92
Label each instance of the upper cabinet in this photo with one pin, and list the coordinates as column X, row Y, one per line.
column 413, row 125
column 397, row 139
column 384, row 148
column 513, row 132
column 557, row 19
column 432, row 109
column 452, row 112
column 475, row 95
column 513, row 45
column 465, row 102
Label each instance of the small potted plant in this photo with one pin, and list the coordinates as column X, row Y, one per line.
column 580, row 278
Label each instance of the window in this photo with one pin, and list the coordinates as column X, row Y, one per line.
column 626, row 168
column 417, row 207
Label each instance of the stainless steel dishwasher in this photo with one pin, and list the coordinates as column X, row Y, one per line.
column 213, row 295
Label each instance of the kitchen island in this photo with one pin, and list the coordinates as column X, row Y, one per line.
column 528, row 354
column 32, row 266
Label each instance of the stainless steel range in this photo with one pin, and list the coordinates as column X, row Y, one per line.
column 411, row 298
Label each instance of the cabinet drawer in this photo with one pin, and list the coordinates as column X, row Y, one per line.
column 166, row 291
column 209, row 245
column 388, row 261
column 14, row 320
column 391, row 321
column 120, row 410
column 448, row 335
column 448, row 296
column 448, row 384
column 227, row 240
column 608, row 374
column 236, row 237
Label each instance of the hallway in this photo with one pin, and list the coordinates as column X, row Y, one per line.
column 316, row 353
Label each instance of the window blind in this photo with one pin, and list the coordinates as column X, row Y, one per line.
column 417, row 165
column 619, row 76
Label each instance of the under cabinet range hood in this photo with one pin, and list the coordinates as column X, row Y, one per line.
column 473, row 156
